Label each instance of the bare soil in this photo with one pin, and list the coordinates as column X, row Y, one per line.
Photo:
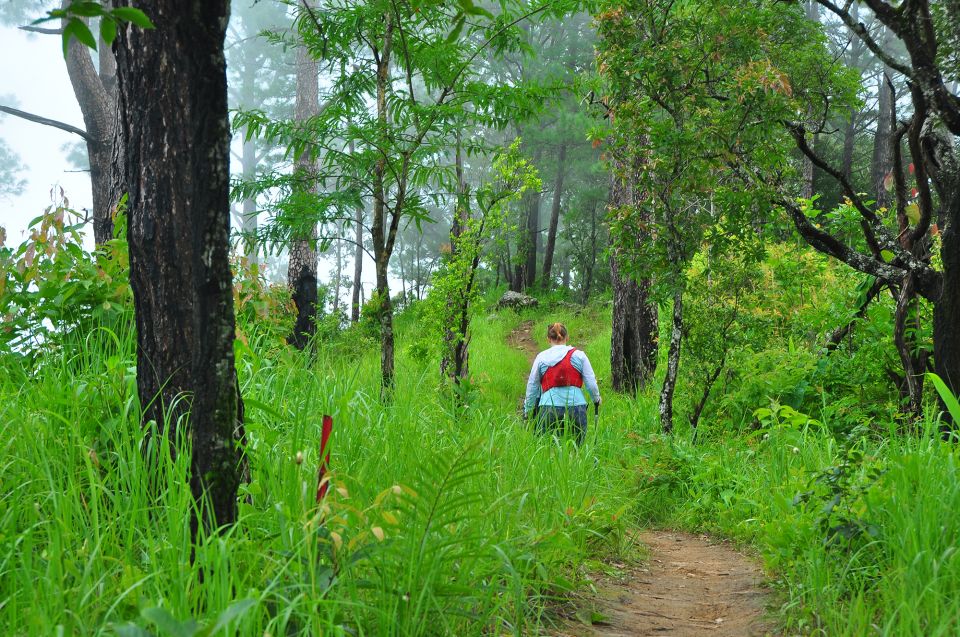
column 692, row 585
column 521, row 338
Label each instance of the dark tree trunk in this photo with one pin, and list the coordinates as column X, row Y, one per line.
column 173, row 102
column 673, row 365
column 382, row 234
column 529, row 243
column 554, row 218
column 97, row 96
column 946, row 311
column 302, row 268
column 456, row 356
column 633, row 343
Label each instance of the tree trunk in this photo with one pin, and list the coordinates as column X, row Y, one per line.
column 946, row 326
column 357, row 260
column 176, row 135
column 456, row 355
column 382, row 244
column 634, row 339
column 97, row 96
column 302, row 268
column 673, row 365
column 554, row 218
column 338, row 273
column 881, row 163
column 849, row 134
column 248, row 219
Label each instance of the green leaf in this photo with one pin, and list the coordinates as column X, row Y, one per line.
column 475, row 10
column 108, row 30
column 77, row 28
column 946, row 396
column 887, row 255
column 135, row 16
column 86, row 9
column 232, row 612
column 913, row 213
column 167, row 624
column 457, row 28
column 131, row 630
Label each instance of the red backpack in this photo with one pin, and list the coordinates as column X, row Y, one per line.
column 563, row 374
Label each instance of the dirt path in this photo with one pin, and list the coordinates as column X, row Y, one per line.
column 692, row 585
column 521, row 338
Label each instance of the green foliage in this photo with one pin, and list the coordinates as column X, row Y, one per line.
column 454, row 288
column 77, row 12
column 50, row 287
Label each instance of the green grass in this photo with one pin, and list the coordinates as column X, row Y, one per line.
column 443, row 520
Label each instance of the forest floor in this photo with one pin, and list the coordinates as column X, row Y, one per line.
column 690, row 585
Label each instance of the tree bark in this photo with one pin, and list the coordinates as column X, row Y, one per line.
column 357, row 260
column 673, row 365
column 96, row 95
column 634, row 339
column 382, row 243
column 880, row 164
column 176, row 136
column 302, row 267
column 554, row 218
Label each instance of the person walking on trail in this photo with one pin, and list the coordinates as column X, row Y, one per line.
column 554, row 394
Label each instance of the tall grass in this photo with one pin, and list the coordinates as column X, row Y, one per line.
column 442, row 520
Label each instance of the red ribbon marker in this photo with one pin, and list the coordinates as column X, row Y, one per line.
column 324, row 459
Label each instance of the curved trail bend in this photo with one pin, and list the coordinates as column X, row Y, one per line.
column 692, row 585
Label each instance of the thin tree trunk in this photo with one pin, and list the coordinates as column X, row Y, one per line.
column 173, row 101
column 338, row 274
column 248, row 223
column 97, row 97
column 673, row 365
column 849, row 133
column 302, row 267
column 357, row 260
column 381, row 252
column 455, row 360
column 554, row 218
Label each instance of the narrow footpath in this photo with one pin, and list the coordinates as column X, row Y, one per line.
column 691, row 585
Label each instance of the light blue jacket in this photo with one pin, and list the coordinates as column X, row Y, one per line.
column 559, row 396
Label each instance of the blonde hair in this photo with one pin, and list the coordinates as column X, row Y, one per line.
column 557, row 332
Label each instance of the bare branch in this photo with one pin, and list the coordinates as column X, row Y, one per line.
column 43, row 30
column 47, row 122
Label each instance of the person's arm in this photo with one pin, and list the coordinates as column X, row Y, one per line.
column 590, row 379
column 533, row 388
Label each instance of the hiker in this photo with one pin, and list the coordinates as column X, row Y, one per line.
column 553, row 389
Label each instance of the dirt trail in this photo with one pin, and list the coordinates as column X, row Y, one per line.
column 521, row 338
column 692, row 585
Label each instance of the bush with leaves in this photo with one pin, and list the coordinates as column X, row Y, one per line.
column 50, row 286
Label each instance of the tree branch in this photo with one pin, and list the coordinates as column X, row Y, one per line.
column 43, row 30
column 47, row 122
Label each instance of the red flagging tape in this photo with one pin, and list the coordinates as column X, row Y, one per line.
column 324, row 457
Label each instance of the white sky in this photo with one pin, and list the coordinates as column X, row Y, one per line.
column 32, row 70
